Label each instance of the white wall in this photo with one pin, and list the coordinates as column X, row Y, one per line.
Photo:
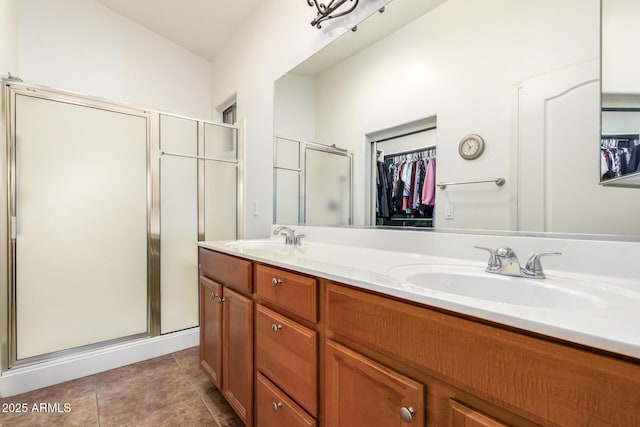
column 463, row 69
column 295, row 107
column 84, row 47
column 275, row 39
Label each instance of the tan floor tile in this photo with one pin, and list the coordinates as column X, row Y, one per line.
column 68, row 404
column 189, row 361
column 221, row 410
column 171, row 390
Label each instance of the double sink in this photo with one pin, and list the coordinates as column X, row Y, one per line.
column 470, row 282
column 601, row 312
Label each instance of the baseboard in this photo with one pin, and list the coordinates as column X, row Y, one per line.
column 28, row 378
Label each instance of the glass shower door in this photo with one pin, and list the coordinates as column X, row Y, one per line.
column 80, row 224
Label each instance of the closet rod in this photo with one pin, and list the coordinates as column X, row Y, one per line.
column 420, row 150
column 498, row 181
column 187, row 156
column 404, row 134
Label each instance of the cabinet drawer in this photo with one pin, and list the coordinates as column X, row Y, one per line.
column 275, row 409
column 228, row 270
column 290, row 291
column 286, row 352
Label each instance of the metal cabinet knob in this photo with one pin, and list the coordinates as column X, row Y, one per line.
column 275, row 328
column 275, row 281
column 407, row 414
column 275, row 406
column 221, row 300
column 213, row 296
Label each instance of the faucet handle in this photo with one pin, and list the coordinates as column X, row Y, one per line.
column 505, row 252
column 493, row 260
column 296, row 240
column 534, row 266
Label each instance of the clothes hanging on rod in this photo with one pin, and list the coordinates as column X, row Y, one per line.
column 619, row 155
column 406, row 185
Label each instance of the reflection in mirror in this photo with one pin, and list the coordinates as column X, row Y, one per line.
column 404, row 177
column 620, row 142
column 312, row 183
column 525, row 76
column 327, row 187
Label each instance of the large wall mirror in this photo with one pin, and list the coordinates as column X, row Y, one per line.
column 620, row 143
column 524, row 76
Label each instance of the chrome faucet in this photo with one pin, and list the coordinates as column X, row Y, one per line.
column 289, row 234
column 504, row 261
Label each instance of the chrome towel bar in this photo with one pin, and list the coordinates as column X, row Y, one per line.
column 498, row 181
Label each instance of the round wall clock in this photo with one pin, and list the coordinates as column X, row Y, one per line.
column 471, row 147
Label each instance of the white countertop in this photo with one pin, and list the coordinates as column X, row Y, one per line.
column 613, row 326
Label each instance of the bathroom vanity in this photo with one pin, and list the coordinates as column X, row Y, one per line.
column 320, row 340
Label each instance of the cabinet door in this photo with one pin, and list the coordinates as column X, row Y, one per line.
column 463, row 416
column 211, row 329
column 237, row 353
column 361, row 393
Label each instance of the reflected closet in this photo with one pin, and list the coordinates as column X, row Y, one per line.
column 405, row 177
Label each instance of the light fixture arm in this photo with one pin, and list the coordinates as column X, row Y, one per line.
column 326, row 11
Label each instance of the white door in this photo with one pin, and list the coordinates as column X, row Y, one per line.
column 559, row 158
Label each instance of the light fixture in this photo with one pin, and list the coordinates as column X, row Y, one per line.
column 330, row 10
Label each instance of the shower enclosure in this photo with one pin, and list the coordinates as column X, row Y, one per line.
column 312, row 183
column 105, row 204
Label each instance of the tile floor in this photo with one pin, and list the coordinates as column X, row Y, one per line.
column 169, row 390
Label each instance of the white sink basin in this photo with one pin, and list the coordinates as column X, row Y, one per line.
column 258, row 245
column 474, row 282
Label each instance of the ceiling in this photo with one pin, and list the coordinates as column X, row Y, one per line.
column 201, row 26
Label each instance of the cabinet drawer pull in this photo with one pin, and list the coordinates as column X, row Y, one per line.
column 276, row 282
column 276, row 406
column 275, row 328
column 407, row 414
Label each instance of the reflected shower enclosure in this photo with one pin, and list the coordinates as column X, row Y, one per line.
column 312, row 183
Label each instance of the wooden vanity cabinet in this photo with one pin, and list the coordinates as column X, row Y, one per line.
column 333, row 355
column 480, row 374
column 226, row 328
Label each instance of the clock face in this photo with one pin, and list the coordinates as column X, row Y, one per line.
column 471, row 147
